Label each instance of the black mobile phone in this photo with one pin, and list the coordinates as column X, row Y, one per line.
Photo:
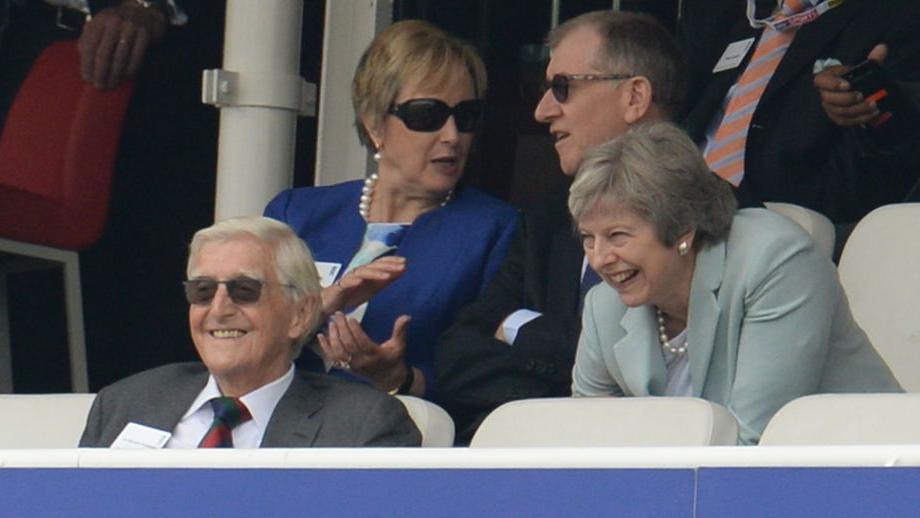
column 870, row 79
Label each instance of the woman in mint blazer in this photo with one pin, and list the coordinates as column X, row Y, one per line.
column 736, row 307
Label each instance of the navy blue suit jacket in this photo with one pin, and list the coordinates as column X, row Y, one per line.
column 794, row 153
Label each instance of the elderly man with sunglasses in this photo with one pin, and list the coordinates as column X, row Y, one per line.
column 609, row 70
column 253, row 294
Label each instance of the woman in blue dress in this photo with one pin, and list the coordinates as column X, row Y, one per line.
column 408, row 235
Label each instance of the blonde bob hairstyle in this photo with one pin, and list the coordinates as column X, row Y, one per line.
column 401, row 54
column 293, row 261
column 657, row 172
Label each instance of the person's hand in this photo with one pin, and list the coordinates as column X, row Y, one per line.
column 362, row 283
column 843, row 106
column 114, row 42
column 349, row 347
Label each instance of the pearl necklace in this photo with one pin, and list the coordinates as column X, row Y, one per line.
column 663, row 337
column 367, row 193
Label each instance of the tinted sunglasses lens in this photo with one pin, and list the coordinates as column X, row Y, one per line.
column 241, row 291
column 424, row 114
column 200, row 291
column 560, row 88
column 468, row 115
column 244, row 291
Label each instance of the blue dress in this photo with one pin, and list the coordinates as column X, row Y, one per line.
column 452, row 252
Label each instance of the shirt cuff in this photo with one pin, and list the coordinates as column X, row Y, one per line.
column 515, row 321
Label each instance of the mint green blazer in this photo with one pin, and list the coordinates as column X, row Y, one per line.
column 768, row 322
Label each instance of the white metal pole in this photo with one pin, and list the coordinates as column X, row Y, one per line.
column 260, row 93
column 350, row 27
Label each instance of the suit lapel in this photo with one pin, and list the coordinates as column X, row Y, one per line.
column 173, row 401
column 703, row 317
column 565, row 269
column 807, row 45
column 294, row 423
column 644, row 371
column 717, row 84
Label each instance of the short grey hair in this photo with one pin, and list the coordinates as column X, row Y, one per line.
column 293, row 260
column 656, row 171
column 636, row 44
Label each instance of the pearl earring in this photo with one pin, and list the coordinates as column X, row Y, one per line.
column 377, row 156
column 683, row 248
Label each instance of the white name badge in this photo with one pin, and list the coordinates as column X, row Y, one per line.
column 139, row 437
column 327, row 272
column 733, row 55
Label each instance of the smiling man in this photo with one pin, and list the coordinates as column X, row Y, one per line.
column 253, row 294
column 608, row 71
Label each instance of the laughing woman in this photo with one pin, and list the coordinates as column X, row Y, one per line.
column 408, row 234
column 736, row 307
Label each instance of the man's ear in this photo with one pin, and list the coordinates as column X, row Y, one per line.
column 639, row 99
column 306, row 316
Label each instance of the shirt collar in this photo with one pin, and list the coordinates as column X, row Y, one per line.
column 261, row 402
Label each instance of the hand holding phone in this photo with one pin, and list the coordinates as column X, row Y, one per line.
column 871, row 80
column 865, row 95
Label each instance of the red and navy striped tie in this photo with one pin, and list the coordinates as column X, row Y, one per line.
column 229, row 412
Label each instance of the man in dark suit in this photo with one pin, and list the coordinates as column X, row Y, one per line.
column 609, row 70
column 825, row 156
column 253, row 294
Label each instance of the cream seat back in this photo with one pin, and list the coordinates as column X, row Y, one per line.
column 839, row 419
column 818, row 226
column 434, row 422
column 43, row 420
column 880, row 272
column 628, row 421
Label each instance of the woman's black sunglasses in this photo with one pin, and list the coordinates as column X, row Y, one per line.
column 242, row 290
column 430, row 114
column 561, row 82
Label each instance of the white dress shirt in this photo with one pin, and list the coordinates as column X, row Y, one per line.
column 261, row 404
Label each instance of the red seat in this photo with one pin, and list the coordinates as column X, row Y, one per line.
column 57, row 153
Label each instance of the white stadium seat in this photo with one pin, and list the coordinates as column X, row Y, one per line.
column 880, row 272
column 846, row 419
column 43, row 420
column 627, row 421
column 433, row 421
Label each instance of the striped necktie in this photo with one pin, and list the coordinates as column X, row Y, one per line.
column 229, row 412
column 725, row 152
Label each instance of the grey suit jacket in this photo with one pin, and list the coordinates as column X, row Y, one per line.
column 768, row 322
column 316, row 410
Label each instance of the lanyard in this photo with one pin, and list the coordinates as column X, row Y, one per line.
column 780, row 22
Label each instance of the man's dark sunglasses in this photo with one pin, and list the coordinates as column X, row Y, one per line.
column 561, row 82
column 430, row 114
column 242, row 290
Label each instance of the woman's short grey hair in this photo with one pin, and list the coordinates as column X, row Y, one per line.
column 410, row 50
column 636, row 44
column 294, row 264
column 656, row 171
